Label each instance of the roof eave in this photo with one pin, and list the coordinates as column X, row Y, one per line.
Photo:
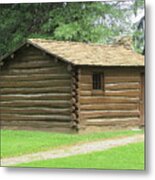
column 13, row 51
column 34, row 45
column 63, row 59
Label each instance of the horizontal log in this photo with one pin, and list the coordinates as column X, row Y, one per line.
column 42, row 124
column 29, row 49
column 35, row 110
column 124, row 122
column 111, row 70
column 19, row 117
column 74, row 93
column 98, row 92
column 33, row 103
column 74, row 79
column 74, row 108
column 108, row 113
column 76, row 90
column 35, row 77
column 86, row 79
column 112, row 119
column 75, row 111
column 75, row 104
column 29, row 59
column 85, row 93
column 117, row 79
column 74, row 86
column 74, row 117
column 74, row 100
column 33, row 64
column 36, row 90
column 105, row 99
column 119, row 72
column 85, row 87
column 46, row 96
column 73, row 124
column 126, row 93
column 19, row 62
column 43, row 83
column 85, row 71
column 32, row 57
column 109, row 106
column 51, row 129
column 51, row 70
column 116, row 86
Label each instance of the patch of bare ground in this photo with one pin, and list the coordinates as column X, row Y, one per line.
column 84, row 148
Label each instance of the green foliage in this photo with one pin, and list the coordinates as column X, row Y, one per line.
column 14, row 143
column 66, row 31
column 78, row 21
column 19, row 21
column 97, row 22
column 138, row 4
column 129, row 157
column 139, row 28
column 138, row 38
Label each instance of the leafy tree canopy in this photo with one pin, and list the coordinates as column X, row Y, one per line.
column 79, row 21
column 139, row 28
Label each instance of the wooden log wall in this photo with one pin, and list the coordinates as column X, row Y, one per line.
column 117, row 104
column 35, row 91
column 75, row 99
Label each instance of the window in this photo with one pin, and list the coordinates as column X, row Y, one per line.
column 97, row 81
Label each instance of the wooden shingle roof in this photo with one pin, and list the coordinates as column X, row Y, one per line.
column 89, row 54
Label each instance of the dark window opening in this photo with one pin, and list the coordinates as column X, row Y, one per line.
column 97, row 81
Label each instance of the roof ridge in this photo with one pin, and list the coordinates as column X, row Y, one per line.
column 71, row 42
column 79, row 53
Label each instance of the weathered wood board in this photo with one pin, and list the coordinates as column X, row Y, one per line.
column 35, row 91
column 39, row 91
column 119, row 101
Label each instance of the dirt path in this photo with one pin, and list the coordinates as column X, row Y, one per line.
column 73, row 150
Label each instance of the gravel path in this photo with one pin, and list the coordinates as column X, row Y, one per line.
column 73, row 150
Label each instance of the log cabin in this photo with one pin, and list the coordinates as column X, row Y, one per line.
column 71, row 87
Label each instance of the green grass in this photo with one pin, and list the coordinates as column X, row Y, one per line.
column 15, row 143
column 129, row 157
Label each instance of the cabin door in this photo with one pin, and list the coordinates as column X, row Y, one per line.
column 142, row 88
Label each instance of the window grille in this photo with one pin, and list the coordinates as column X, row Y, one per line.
column 97, row 81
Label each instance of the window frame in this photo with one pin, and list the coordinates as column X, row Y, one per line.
column 98, row 91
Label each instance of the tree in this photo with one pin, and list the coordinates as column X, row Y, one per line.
column 139, row 28
column 18, row 21
column 97, row 22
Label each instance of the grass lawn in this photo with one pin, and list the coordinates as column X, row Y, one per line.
column 15, row 143
column 130, row 157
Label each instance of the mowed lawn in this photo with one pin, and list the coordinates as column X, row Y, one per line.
column 129, row 157
column 16, row 143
